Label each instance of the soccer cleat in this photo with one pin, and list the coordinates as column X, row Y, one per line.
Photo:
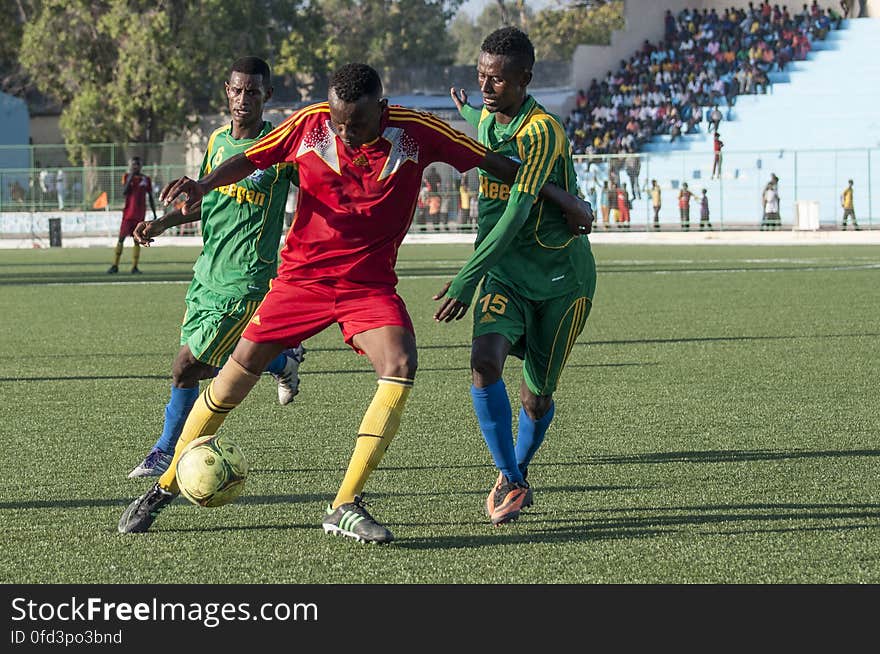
column 112, row 269
column 141, row 513
column 288, row 380
column 136, row 271
column 153, row 465
column 508, row 501
column 491, row 501
column 353, row 520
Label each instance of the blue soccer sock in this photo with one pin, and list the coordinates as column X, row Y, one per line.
column 276, row 365
column 531, row 435
column 492, row 407
column 176, row 411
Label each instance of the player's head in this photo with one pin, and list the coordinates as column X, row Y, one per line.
column 504, row 70
column 356, row 104
column 850, row 182
column 248, row 89
column 134, row 165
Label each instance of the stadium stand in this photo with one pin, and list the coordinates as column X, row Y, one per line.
column 814, row 128
column 706, row 59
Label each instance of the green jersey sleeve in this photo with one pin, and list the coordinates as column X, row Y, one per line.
column 491, row 248
column 539, row 148
column 470, row 114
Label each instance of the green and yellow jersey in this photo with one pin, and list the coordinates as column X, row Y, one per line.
column 241, row 222
column 528, row 247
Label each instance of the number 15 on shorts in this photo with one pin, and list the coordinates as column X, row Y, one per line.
column 494, row 302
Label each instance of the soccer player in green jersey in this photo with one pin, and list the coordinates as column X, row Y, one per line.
column 538, row 276
column 241, row 233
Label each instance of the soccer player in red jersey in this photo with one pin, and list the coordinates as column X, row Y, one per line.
column 360, row 165
column 136, row 188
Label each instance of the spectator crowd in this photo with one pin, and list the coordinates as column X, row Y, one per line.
column 705, row 59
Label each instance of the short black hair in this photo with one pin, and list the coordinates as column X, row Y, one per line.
column 513, row 43
column 252, row 66
column 354, row 81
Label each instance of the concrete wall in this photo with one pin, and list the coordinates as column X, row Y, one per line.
column 644, row 20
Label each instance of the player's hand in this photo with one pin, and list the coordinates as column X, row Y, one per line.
column 451, row 309
column 190, row 187
column 580, row 218
column 145, row 230
column 459, row 97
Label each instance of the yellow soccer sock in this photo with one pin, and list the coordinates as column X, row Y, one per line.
column 379, row 426
column 117, row 254
column 222, row 395
column 135, row 255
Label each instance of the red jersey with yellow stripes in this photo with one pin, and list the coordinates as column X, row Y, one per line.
column 355, row 206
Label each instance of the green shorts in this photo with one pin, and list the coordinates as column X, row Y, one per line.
column 542, row 333
column 213, row 323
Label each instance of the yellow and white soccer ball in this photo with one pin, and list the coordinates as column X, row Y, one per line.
column 211, row 471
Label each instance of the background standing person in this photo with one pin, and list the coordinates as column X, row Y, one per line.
column 717, row 144
column 605, row 203
column 47, row 185
column 591, row 198
column 538, row 278
column 684, row 207
column 433, row 198
column 464, row 201
column 715, row 117
column 704, row 211
column 613, row 203
column 136, row 188
column 60, row 188
column 623, row 205
column 656, row 202
column 770, row 199
column 846, row 201
column 633, row 169
column 241, row 229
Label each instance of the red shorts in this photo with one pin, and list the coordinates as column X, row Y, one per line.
column 291, row 313
column 127, row 227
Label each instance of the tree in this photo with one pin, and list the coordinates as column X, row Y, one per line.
column 137, row 70
column 16, row 13
column 382, row 33
column 469, row 34
column 557, row 32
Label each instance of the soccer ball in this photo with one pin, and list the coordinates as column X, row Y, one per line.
column 211, row 471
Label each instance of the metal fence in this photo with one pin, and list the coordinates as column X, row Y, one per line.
column 44, row 178
column 808, row 179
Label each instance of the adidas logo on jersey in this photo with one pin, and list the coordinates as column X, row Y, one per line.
column 487, row 318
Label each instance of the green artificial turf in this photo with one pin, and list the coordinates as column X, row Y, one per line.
column 717, row 422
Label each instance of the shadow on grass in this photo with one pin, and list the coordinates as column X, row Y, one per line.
column 659, row 521
column 423, row 370
column 95, row 278
column 721, row 456
column 82, row 378
column 708, row 456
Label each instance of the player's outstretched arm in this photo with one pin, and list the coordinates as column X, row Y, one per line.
column 578, row 212
column 457, row 294
column 230, row 171
column 146, row 231
column 469, row 113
